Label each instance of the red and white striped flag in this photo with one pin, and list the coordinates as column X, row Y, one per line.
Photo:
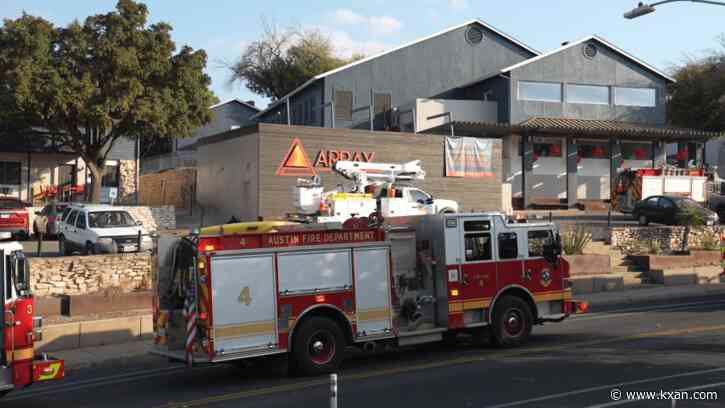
column 190, row 314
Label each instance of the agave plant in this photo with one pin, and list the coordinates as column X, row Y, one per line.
column 574, row 240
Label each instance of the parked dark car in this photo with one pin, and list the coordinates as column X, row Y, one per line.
column 669, row 210
column 14, row 217
column 46, row 220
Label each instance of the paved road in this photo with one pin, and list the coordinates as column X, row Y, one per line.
column 573, row 364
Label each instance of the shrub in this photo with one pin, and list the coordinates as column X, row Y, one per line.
column 689, row 217
column 709, row 240
column 574, row 240
column 653, row 247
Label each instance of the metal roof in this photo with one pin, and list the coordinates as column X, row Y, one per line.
column 576, row 127
column 372, row 57
column 601, row 41
column 239, row 101
column 612, row 128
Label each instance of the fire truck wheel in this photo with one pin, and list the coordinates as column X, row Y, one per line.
column 512, row 322
column 318, row 347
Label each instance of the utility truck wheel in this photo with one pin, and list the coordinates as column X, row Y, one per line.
column 318, row 347
column 512, row 322
column 642, row 219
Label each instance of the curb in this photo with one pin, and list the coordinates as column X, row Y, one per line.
column 91, row 333
column 652, row 294
column 133, row 354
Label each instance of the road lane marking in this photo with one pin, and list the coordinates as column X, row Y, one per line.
column 693, row 388
column 605, row 387
column 437, row 364
column 145, row 374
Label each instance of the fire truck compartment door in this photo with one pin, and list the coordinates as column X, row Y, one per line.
column 372, row 291
column 243, row 306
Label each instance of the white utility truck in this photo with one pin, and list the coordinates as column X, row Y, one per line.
column 376, row 191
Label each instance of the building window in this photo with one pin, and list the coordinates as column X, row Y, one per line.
column 591, row 94
column 10, row 173
column 478, row 247
column 593, row 150
column 643, row 97
column 537, row 241
column 539, row 91
column 110, row 179
column 343, row 105
column 637, row 151
column 548, row 149
column 507, row 246
column 381, row 111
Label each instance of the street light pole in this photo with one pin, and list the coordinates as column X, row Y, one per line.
column 643, row 8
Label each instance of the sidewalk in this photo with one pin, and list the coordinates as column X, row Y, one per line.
column 652, row 293
column 136, row 354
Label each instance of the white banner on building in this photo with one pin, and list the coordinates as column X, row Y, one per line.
column 469, row 157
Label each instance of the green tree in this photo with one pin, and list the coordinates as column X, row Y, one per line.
column 282, row 60
column 112, row 76
column 690, row 216
column 698, row 96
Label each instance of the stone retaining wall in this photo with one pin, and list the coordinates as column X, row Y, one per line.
column 669, row 238
column 154, row 218
column 80, row 275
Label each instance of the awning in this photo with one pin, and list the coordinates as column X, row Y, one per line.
column 577, row 127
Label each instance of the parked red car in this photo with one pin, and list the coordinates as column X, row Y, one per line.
column 14, row 217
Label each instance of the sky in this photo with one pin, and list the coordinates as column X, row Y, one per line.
column 224, row 27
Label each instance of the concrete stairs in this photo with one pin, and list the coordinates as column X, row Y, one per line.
column 631, row 273
column 624, row 274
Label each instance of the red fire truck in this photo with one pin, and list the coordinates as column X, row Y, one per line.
column 19, row 365
column 234, row 292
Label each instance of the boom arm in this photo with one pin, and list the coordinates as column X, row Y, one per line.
column 363, row 173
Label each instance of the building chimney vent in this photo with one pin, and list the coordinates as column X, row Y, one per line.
column 565, row 43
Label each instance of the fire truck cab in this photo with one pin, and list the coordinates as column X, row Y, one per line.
column 314, row 290
column 19, row 365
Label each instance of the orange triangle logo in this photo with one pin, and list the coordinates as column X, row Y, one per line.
column 296, row 162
